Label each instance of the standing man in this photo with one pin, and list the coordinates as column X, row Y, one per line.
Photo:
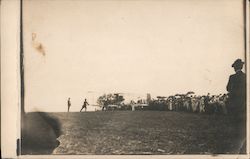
column 69, row 104
column 236, row 88
column 206, row 103
column 85, row 103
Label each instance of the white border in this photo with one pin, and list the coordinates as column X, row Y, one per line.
column 10, row 88
column 136, row 156
column 248, row 74
column 10, row 11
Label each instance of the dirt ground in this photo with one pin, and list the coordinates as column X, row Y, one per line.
column 146, row 132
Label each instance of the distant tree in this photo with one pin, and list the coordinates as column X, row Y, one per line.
column 102, row 99
column 118, row 99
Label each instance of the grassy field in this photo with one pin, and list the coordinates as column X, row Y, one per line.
column 146, row 132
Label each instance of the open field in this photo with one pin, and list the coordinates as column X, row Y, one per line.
column 144, row 132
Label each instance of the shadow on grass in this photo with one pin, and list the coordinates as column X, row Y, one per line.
column 39, row 134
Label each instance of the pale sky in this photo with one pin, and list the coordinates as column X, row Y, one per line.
column 134, row 47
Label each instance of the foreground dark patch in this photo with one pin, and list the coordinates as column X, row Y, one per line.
column 39, row 133
column 126, row 132
column 148, row 132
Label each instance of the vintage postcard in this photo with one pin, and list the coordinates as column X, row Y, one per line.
column 145, row 78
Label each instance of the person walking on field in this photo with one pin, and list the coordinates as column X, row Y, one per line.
column 69, row 104
column 85, row 103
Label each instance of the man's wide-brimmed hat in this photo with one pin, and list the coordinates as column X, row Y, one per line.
column 238, row 62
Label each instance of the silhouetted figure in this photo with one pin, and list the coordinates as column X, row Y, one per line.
column 40, row 133
column 237, row 102
column 69, row 104
column 237, row 90
column 85, row 103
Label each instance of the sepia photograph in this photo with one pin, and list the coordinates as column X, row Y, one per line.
column 133, row 77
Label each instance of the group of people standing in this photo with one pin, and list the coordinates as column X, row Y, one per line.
column 233, row 103
column 84, row 106
column 199, row 104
